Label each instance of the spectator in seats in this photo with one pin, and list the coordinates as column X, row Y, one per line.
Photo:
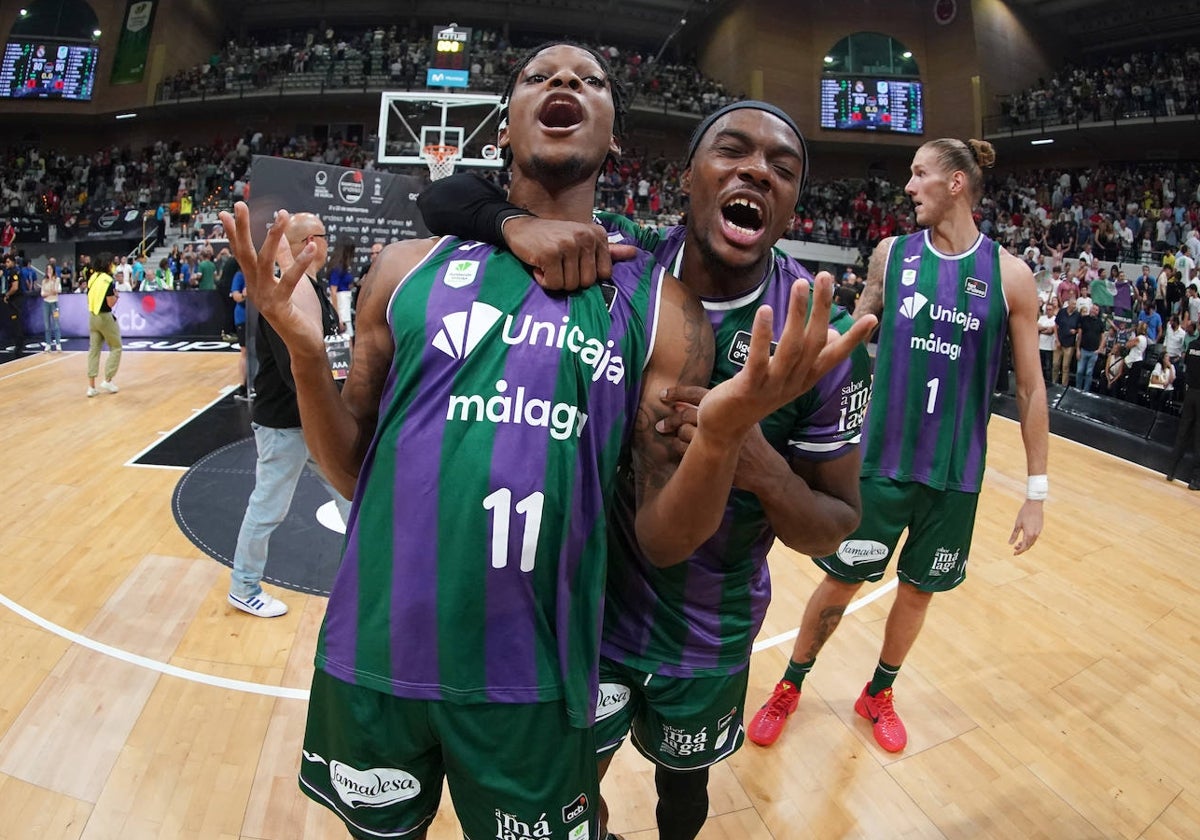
column 1152, row 320
column 1184, row 264
column 1135, row 354
column 1068, row 289
column 205, row 271
column 341, row 284
column 1144, row 282
column 161, row 279
column 1162, row 382
column 1125, row 237
column 139, row 272
column 1114, row 364
column 1191, row 308
column 1175, row 294
column 1173, row 337
column 1089, row 338
column 1066, row 330
column 121, row 280
column 1046, row 330
column 1188, row 435
column 1108, row 242
column 1160, row 288
column 1085, row 252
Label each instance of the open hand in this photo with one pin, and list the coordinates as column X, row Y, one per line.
column 290, row 306
column 805, row 352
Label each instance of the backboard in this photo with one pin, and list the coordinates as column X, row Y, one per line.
column 411, row 120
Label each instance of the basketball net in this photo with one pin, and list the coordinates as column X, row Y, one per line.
column 440, row 160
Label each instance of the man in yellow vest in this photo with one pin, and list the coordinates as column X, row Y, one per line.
column 102, row 325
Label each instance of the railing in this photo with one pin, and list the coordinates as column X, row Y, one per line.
column 1055, row 116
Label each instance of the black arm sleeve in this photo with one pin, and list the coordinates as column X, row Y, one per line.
column 468, row 207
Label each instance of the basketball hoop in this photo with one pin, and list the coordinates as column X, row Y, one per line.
column 440, row 160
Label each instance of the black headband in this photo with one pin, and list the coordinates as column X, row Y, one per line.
column 757, row 105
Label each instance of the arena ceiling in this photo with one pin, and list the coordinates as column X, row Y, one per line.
column 648, row 23
column 1090, row 26
column 1081, row 26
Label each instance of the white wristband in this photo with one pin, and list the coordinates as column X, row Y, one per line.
column 1037, row 488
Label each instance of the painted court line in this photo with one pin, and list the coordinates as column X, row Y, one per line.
column 163, row 435
column 32, row 368
column 302, row 694
column 854, row 606
column 280, row 691
column 154, row 665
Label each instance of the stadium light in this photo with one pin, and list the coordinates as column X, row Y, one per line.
column 1045, row 141
column 24, row 13
column 906, row 54
column 128, row 116
column 95, row 33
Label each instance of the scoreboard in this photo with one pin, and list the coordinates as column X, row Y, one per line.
column 866, row 104
column 449, row 57
column 48, row 70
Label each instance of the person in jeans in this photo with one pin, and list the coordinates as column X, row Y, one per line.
column 1087, row 344
column 279, row 441
column 1067, row 322
column 50, row 287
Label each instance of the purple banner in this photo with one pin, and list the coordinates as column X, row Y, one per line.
column 140, row 314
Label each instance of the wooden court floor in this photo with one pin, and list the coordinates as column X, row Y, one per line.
column 1053, row 695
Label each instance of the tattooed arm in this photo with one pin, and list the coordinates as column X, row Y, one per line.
column 870, row 302
column 678, row 510
column 679, row 502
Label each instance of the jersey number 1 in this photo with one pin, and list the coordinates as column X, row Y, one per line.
column 501, row 506
column 932, row 385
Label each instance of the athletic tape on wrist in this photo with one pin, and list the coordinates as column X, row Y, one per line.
column 1037, row 488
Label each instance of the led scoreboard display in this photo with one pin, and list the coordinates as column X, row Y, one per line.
column 48, row 70
column 450, row 57
column 865, row 104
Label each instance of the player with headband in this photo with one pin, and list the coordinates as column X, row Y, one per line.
column 676, row 642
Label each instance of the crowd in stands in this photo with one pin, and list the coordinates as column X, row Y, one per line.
column 380, row 58
column 189, row 267
column 1162, row 83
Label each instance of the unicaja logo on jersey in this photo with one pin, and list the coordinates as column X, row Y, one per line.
column 911, row 306
column 461, row 332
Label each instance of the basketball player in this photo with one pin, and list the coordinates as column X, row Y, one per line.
column 676, row 642
column 946, row 295
column 480, row 428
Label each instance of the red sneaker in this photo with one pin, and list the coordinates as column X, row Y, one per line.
column 767, row 724
column 888, row 728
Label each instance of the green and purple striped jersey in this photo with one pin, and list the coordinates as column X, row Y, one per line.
column 475, row 552
column 940, row 340
column 699, row 618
